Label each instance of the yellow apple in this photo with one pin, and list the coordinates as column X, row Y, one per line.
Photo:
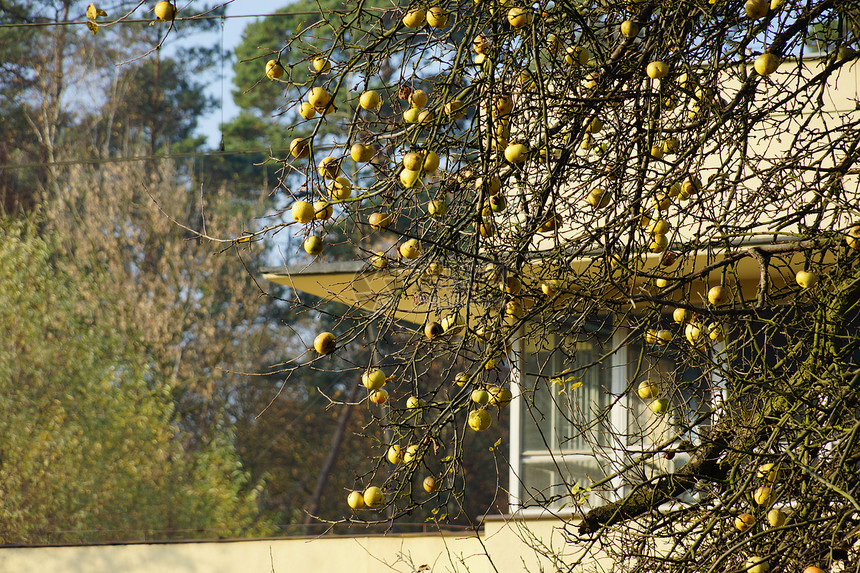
column 659, row 227
column 411, row 453
column 373, row 379
column 715, row 332
column 380, row 221
column 504, row 105
column 430, row 484
column 598, row 198
column 756, row 9
column 413, row 160
column 433, row 330
column 744, row 521
column 756, row 564
column 418, row 99
column 689, row 187
column 355, row 499
column 303, row 212
column 165, row 11
column 594, row 126
column 414, row 18
column 369, row 100
column 718, row 295
column 431, row 162
column 437, row 17
column 307, row 111
column 379, row 397
column 766, row 64
column 299, row 148
column 492, row 184
column 379, row 261
column 461, row 378
column 361, row 153
column 274, row 69
column 322, row 210
column 487, row 228
column 394, row 455
column 321, row 65
column 411, row 115
column 549, row 287
column 480, row 396
column 660, row 406
column 579, row 56
column 426, row 116
column 481, row 44
column 313, row 245
column 328, row 168
column 516, row 153
column 340, row 189
column 693, row 333
column 671, row 145
column 453, row 323
column 497, row 203
column 519, row 17
column 480, row 420
column 806, row 279
column 514, row 308
column 853, row 237
column 657, row 70
column 764, row 495
column 435, row 268
column 319, row 98
column 629, row 29
column 776, row 518
column 437, row 207
column 659, row 244
column 325, row 343
column 647, row 390
column 455, row 109
column 768, row 472
column 500, row 396
column 373, row 496
column 409, row 178
column 662, row 202
column 410, row 249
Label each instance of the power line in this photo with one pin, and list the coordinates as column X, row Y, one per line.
column 150, row 20
column 131, row 158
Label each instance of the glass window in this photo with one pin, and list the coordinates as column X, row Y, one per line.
column 565, row 405
column 582, row 418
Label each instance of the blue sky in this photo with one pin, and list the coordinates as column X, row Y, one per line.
column 232, row 34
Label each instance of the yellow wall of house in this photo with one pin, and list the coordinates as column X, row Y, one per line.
column 505, row 543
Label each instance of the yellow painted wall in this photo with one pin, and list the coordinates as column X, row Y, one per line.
column 505, row 543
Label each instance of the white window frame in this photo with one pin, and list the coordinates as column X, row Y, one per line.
column 618, row 422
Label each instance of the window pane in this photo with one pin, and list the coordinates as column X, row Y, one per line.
column 566, row 397
column 543, row 485
column 565, row 405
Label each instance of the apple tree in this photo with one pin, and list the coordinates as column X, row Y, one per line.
column 634, row 225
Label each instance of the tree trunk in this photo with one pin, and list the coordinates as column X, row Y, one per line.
column 333, row 452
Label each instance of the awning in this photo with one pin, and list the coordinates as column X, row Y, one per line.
column 360, row 286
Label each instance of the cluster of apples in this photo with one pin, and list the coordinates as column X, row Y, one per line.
column 764, row 498
column 649, row 390
column 479, row 419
